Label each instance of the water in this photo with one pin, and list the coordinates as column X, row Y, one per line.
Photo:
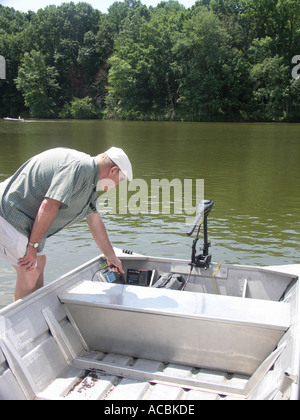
column 251, row 172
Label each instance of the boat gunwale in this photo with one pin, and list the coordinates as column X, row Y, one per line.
column 55, row 284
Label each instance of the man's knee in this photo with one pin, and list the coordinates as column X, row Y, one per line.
column 30, row 281
column 27, row 282
column 28, row 276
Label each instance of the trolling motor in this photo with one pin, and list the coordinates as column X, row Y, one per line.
column 202, row 260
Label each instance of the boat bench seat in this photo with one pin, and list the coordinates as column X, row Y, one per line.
column 207, row 331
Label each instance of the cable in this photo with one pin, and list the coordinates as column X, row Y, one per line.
column 188, row 279
column 213, row 277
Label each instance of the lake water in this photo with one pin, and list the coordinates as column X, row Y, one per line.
column 251, row 172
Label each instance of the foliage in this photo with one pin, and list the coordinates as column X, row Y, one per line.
column 38, row 84
column 83, row 109
column 219, row 60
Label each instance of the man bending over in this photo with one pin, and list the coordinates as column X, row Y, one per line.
column 50, row 192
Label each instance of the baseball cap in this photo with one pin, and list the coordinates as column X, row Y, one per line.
column 119, row 157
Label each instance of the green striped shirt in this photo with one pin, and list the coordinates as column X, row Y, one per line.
column 61, row 174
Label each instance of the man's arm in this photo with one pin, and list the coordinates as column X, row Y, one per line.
column 100, row 236
column 44, row 219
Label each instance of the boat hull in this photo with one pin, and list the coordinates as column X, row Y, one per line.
column 192, row 344
column 14, row 119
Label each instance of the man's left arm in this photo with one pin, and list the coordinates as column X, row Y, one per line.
column 100, row 236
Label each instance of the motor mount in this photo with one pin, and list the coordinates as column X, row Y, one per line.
column 202, row 260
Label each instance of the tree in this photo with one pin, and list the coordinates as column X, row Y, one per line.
column 204, row 67
column 218, row 60
column 270, row 78
column 83, row 109
column 288, row 33
column 12, row 26
column 38, row 84
column 141, row 78
column 294, row 101
column 118, row 12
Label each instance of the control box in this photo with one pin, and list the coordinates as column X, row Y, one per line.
column 137, row 277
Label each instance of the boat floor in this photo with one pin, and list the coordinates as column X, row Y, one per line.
column 100, row 376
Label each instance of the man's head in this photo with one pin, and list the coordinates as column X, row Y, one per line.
column 115, row 167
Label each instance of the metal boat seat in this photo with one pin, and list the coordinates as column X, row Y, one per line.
column 223, row 333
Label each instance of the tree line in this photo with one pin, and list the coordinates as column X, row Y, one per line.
column 220, row 60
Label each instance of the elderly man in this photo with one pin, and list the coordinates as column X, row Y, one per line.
column 50, row 192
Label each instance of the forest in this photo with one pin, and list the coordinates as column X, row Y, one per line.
column 220, row 60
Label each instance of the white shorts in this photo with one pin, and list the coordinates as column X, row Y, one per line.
column 13, row 244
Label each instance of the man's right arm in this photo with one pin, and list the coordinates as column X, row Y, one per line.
column 100, row 236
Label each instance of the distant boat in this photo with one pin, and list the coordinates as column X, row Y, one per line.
column 14, row 119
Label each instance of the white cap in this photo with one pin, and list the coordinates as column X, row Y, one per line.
column 119, row 157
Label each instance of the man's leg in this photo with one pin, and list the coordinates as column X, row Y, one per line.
column 30, row 281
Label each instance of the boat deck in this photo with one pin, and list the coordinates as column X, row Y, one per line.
column 95, row 375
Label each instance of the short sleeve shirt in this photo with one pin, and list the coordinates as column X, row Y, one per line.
column 65, row 175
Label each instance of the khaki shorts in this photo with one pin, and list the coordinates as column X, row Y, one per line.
column 13, row 244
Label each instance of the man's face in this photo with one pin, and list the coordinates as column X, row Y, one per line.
column 111, row 177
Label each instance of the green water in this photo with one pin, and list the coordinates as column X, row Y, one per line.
column 251, row 172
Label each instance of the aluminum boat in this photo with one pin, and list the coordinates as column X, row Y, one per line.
column 167, row 329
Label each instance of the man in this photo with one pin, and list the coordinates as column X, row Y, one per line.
column 50, row 192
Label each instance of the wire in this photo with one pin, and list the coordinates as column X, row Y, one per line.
column 188, row 279
column 213, row 277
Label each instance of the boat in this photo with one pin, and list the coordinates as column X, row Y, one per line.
column 168, row 329
column 14, row 119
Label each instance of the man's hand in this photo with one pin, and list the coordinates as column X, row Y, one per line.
column 100, row 236
column 115, row 265
column 29, row 261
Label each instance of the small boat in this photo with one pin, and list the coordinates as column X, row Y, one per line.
column 14, row 119
column 168, row 329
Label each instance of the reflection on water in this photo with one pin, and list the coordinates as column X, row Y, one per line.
column 251, row 172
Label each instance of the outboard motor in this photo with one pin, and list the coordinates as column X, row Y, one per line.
column 202, row 260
